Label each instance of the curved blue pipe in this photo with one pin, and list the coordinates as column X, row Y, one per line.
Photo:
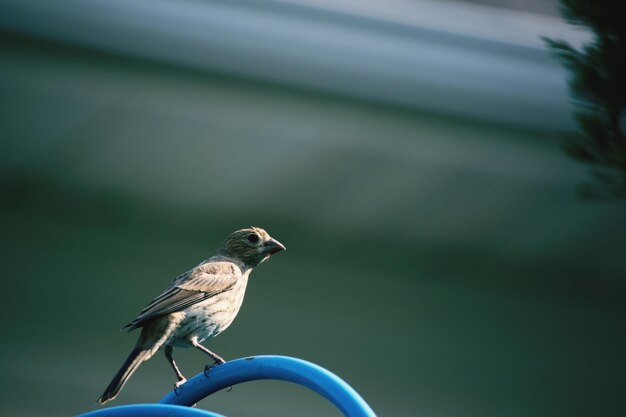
column 152, row 410
column 304, row 373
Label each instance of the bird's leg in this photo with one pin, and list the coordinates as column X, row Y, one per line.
column 216, row 358
column 170, row 358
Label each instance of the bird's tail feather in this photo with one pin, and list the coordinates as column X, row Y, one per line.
column 136, row 357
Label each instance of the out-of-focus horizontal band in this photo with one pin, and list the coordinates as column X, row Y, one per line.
column 403, row 62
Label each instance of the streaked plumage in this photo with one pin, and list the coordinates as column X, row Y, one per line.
column 198, row 305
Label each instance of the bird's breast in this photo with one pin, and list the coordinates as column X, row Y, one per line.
column 210, row 317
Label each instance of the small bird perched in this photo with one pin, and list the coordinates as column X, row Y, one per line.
column 198, row 305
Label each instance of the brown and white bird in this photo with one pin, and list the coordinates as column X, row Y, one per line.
column 198, row 305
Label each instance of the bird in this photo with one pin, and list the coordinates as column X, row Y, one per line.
column 198, row 305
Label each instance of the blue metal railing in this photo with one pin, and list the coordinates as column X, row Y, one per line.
column 178, row 402
column 152, row 410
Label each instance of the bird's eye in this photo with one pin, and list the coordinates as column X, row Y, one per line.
column 253, row 238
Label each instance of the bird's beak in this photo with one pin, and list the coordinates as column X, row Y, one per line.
column 273, row 246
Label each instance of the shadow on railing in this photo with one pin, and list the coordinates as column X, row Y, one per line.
column 307, row 374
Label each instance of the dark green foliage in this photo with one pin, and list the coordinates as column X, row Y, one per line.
column 598, row 88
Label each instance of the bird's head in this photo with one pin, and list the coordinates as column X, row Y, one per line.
column 250, row 246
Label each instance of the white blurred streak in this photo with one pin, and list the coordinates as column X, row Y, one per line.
column 453, row 58
column 456, row 17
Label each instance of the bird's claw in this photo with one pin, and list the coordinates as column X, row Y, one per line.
column 207, row 368
column 179, row 383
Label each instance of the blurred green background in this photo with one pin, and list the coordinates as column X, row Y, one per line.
column 438, row 258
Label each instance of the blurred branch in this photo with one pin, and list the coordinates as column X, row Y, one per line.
column 598, row 89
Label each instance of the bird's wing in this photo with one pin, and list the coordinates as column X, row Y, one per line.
column 204, row 281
